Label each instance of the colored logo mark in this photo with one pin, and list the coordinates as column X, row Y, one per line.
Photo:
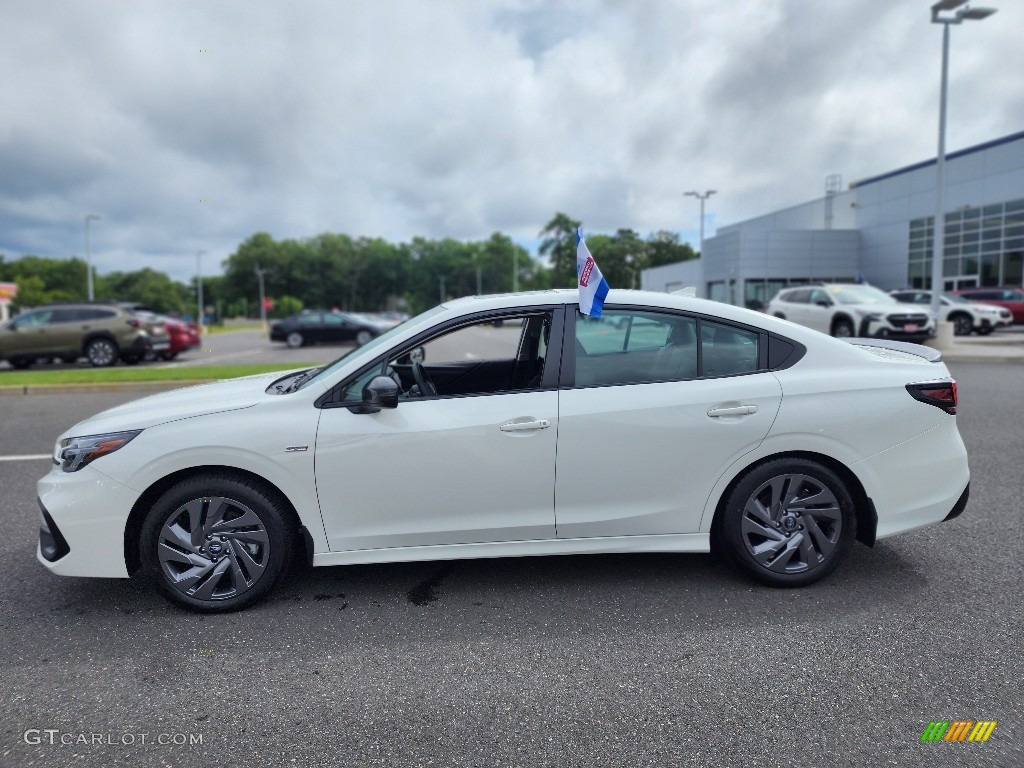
column 958, row 730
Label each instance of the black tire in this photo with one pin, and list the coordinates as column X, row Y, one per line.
column 780, row 316
column 294, row 340
column 101, row 352
column 168, row 355
column 364, row 337
column 842, row 329
column 21, row 363
column 962, row 324
column 256, row 553
column 787, row 542
column 131, row 359
column 69, row 359
column 985, row 330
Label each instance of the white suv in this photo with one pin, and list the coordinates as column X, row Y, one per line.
column 848, row 309
column 966, row 316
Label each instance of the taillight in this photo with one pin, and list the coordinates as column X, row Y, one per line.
column 134, row 323
column 941, row 394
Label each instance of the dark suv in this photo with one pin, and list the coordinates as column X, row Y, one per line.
column 101, row 332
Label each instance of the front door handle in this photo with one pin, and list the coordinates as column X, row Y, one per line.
column 736, row 410
column 517, row 426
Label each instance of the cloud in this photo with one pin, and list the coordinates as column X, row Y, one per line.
column 458, row 119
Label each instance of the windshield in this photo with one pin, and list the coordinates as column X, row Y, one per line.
column 860, row 294
column 380, row 341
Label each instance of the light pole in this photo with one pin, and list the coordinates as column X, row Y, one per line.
column 702, row 198
column 88, row 255
column 939, row 227
column 199, row 288
column 263, row 305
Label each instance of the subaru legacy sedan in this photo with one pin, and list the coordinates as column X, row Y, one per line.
column 668, row 425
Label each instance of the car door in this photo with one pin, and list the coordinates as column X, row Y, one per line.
column 642, row 441
column 467, row 465
column 820, row 309
column 27, row 335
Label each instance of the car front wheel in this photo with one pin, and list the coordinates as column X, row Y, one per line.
column 216, row 543
column 363, row 337
column 788, row 522
column 843, row 329
column 294, row 340
column 101, row 352
column 962, row 325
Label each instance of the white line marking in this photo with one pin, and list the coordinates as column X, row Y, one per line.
column 29, row 457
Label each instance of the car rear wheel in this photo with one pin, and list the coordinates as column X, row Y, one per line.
column 363, row 337
column 101, row 352
column 216, row 543
column 788, row 522
column 294, row 340
column 21, row 363
column 962, row 325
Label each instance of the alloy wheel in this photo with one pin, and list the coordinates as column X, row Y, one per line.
column 791, row 524
column 213, row 548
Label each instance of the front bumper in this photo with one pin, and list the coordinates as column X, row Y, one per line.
column 83, row 519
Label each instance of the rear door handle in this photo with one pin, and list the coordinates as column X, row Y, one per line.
column 737, row 410
column 517, row 426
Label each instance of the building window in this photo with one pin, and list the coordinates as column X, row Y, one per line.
column 983, row 244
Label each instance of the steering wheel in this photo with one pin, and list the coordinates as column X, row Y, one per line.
column 427, row 388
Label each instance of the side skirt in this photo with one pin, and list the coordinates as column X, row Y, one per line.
column 690, row 542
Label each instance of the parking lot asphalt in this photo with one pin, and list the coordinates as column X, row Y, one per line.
column 653, row 660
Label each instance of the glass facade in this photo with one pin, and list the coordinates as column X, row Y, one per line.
column 982, row 246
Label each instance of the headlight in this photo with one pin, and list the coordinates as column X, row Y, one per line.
column 75, row 452
column 865, row 315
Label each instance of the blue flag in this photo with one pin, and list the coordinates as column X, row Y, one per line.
column 593, row 286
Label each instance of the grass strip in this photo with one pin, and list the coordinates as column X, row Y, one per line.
column 140, row 373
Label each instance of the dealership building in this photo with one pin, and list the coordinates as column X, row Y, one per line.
column 878, row 229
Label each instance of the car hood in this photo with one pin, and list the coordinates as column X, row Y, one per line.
column 184, row 403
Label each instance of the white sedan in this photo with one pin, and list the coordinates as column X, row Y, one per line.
column 680, row 424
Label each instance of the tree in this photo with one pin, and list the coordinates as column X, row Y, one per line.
column 559, row 244
column 664, row 248
column 144, row 286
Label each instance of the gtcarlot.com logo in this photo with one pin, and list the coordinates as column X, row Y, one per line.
column 56, row 737
column 958, row 730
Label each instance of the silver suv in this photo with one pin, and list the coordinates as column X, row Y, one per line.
column 849, row 309
column 101, row 332
column 966, row 316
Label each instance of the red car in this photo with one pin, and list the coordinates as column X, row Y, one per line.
column 1011, row 298
column 183, row 334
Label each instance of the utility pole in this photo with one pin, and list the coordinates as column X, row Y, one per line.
column 263, row 296
column 199, row 289
column 88, row 255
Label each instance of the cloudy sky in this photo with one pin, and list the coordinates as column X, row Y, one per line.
column 190, row 125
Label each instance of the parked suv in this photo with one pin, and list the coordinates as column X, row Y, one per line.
column 848, row 309
column 101, row 332
column 1011, row 298
column 966, row 316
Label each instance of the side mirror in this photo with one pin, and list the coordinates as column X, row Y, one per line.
column 381, row 392
column 823, row 303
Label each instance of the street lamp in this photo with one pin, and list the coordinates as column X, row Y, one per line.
column 88, row 254
column 702, row 198
column 199, row 287
column 941, row 16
